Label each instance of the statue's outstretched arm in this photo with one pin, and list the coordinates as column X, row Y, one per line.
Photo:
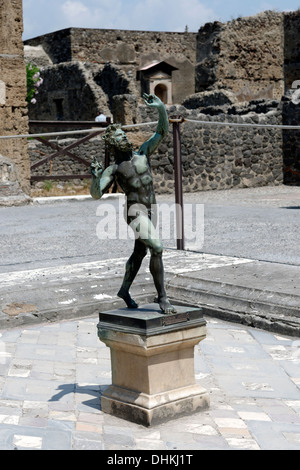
column 101, row 180
column 162, row 129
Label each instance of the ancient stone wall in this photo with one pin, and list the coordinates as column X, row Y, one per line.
column 292, row 49
column 223, row 157
column 131, row 47
column 127, row 51
column 212, row 157
column 100, row 46
column 245, row 55
column 55, row 101
column 253, row 57
column 56, row 45
column 13, row 107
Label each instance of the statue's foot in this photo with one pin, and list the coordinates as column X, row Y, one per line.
column 165, row 306
column 127, row 299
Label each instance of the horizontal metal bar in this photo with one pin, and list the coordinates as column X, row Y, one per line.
column 79, row 131
column 85, row 124
column 51, row 134
column 59, row 177
column 245, row 124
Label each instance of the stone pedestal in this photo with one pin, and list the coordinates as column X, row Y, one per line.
column 152, row 360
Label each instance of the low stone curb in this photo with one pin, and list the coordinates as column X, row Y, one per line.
column 262, row 295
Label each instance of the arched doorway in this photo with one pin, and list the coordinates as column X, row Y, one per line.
column 162, row 92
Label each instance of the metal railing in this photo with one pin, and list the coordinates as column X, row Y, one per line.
column 60, row 151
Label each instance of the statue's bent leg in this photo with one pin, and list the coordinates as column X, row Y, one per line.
column 149, row 236
column 132, row 267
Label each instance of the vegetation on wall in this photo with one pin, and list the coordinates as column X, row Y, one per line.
column 34, row 81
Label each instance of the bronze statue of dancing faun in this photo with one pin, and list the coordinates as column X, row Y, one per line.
column 131, row 170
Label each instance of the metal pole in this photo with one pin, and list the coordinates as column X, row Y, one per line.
column 178, row 183
column 107, row 153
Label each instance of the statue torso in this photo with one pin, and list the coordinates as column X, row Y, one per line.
column 135, row 178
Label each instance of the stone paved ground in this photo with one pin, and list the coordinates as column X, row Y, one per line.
column 52, row 376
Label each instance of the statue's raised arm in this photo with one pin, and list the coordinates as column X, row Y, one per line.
column 162, row 128
column 101, row 179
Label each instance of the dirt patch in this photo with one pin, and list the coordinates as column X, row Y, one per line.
column 50, row 188
column 16, row 308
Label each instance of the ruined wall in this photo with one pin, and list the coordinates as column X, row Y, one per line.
column 125, row 50
column 291, row 48
column 223, row 157
column 57, row 45
column 253, row 57
column 245, row 55
column 140, row 47
column 13, row 107
column 55, row 101
column 117, row 46
column 89, row 90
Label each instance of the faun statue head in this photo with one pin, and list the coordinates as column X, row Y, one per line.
column 116, row 139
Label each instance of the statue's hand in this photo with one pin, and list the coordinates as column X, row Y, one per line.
column 96, row 168
column 152, row 100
